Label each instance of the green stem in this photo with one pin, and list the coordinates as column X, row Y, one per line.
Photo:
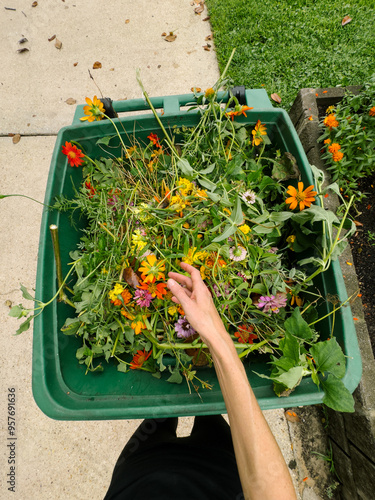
column 24, row 196
column 56, row 251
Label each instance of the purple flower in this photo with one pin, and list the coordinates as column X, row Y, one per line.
column 272, row 303
column 183, row 328
column 112, row 201
column 249, row 197
column 273, row 250
column 241, row 275
column 237, row 253
column 143, row 298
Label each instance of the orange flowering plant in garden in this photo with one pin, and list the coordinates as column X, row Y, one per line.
column 348, row 135
column 223, row 198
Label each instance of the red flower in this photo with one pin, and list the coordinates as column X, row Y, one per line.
column 90, row 188
column 154, row 139
column 244, row 334
column 139, row 359
column 74, row 154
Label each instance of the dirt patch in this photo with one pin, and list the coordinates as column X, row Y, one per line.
column 312, row 452
column 363, row 250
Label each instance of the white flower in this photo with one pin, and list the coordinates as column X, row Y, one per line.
column 237, row 253
column 249, row 197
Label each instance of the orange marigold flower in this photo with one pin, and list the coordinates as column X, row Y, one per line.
column 243, row 110
column 300, row 197
column 152, row 269
column 156, row 289
column 137, row 320
column 372, row 111
column 231, row 114
column 327, row 141
column 94, row 110
column 244, row 334
column 330, row 121
column 139, row 359
column 334, row 147
column 154, row 139
column 337, row 156
column 209, row 92
column 126, row 298
column 258, row 131
column 74, row 154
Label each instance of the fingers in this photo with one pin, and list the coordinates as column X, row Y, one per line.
column 180, row 278
column 194, row 273
column 181, row 294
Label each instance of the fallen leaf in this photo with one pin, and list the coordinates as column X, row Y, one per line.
column 75, row 64
column 70, row 101
column 291, row 416
column 24, row 49
column 199, row 9
column 130, row 277
column 206, row 47
column 97, row 65
column 8, row 303
column 171, row 37
column 346, row 20
column 34, row 4
column 16, row 138
column 196, row 89
column 206, row 18
column 51, row 38
column 208, row 38
column 112, row 69
column 358, row 223
column 276, row 98
column 164, row 34
column 58, row 44
column 23, row 40
column 127, row 21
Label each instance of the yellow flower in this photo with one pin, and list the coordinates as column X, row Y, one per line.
column 137, row 320
column 245, row 229
column 177, row 203
column 258, row 131
column 94, row 110
column 172, row 310
column 330, row 109
column 117, row 290
column 300, row 197
column 152, row 269
column 185, row 187
column 203, row 272
column 209, row 92
column 186, row 225
column 201, row 193
column 131, row 150
column 138, row 241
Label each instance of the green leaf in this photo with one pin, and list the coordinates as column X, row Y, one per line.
column 280, row 216
column 297, row 326
column 104, row 140
column 185, row 167
column 337, row 395
column 25, row 293
column 290, row 347
column 24, row 326
column 129, row 334
column 328, row 357
column 208, row 170
column 122, row 367
column 214, row 196
column 207, row 184
column 16, row 312
column 71, row 326
column 228, row 231
column 291, row 378
column 176, row 377
column 237, row 216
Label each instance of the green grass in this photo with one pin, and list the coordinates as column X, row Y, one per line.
column 288, row 45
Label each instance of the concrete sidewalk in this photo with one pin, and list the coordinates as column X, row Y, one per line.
column 74, row 460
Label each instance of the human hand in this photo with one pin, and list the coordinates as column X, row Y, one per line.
column 197, row 303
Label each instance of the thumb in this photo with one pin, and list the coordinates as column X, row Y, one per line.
column 178, row 291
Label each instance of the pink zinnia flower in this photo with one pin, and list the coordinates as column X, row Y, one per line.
column 237, row 253
column 272, row 303
column 143, row 298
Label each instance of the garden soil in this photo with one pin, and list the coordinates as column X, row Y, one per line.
column 363, row 249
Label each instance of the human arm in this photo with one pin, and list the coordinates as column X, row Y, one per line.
column 261, row 466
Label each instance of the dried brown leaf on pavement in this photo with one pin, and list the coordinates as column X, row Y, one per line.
column 51, row 38
column 24, row 49
column 58, row 44
column 200, row 8
column 346, row 20
column 70, row 101
column 171, row 37
column 196, row 89
column 23, row 40
column 207, row 47
column 34, row 4
column 97, row 65
column 208, row 38
column 16, row 138
column 127, row 21
column 276, row 98
column 206, row 18
column 75, row 64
